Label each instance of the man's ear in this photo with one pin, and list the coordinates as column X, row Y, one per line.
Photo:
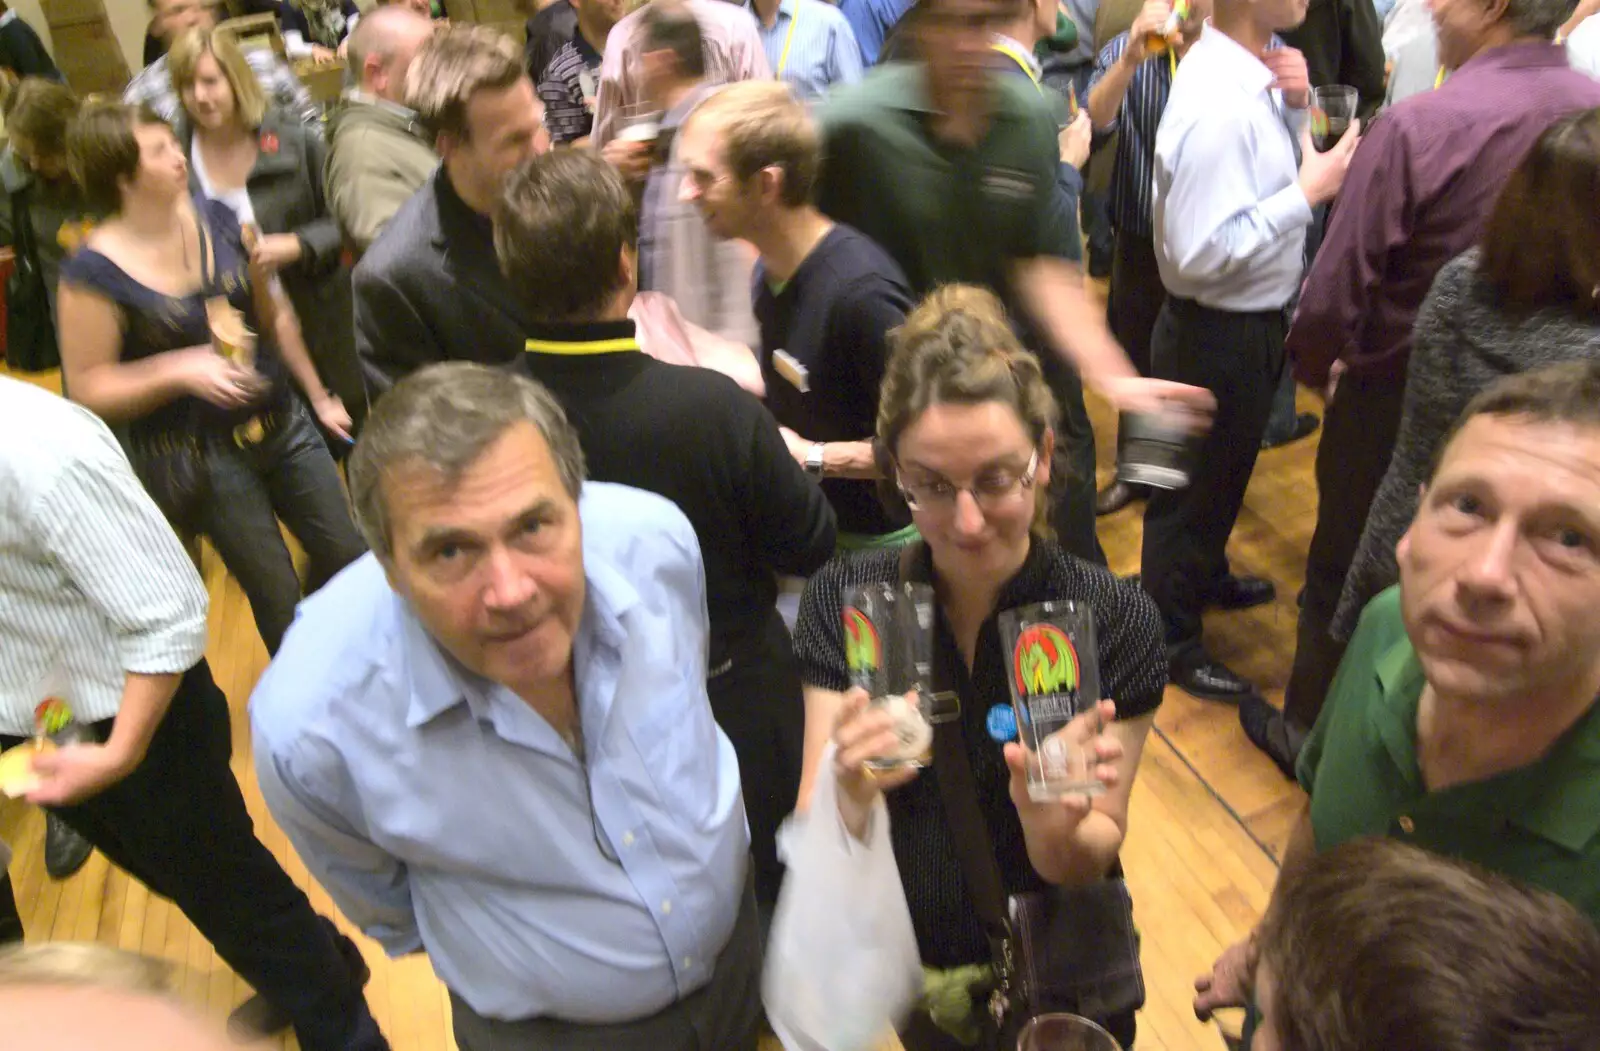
column 628, row 267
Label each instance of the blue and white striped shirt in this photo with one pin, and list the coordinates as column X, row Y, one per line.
column 822, row 53
column 93, row 583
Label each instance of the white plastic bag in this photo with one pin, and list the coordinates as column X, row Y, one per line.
column 842, row 968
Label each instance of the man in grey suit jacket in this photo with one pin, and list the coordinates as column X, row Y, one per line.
column 429, row 288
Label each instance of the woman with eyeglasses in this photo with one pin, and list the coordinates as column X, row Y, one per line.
column 965, row 434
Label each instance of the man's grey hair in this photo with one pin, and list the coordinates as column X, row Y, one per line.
column 1540, row 18
column 442, row 418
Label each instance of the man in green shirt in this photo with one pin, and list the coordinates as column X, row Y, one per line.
column 1464, row 718
column 952, row 167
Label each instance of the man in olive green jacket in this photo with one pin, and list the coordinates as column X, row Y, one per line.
column 378, row 154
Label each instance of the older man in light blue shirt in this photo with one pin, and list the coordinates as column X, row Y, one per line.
column 491, row 741
column 809, row 44
column 1235, row 180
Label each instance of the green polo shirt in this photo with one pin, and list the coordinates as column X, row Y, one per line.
column 945, row 213
column 1538, row 824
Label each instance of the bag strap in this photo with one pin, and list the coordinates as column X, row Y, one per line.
column 958, row 789
column 23, row 241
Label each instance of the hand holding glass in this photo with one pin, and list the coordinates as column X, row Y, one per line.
column 888, row 644
column 1055, row 677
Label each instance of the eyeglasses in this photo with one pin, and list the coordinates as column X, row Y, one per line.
column 990, row 489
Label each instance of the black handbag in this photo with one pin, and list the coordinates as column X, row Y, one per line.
column 30, row 329
column 1067, row 949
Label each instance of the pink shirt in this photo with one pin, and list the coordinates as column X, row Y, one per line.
column 733, row 52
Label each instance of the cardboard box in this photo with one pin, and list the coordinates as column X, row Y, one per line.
column 90, row 58
column 72, row 12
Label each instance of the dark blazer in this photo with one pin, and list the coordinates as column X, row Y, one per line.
column 429, row 289
column 23, row 53
column 285, row 189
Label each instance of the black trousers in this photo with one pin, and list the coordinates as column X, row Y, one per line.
column 1073, row 513
column 178, row 824
column 10, row 920
column 757, row 702
column 723, row 1016
column 1135, row 297
column 1358, row 435
column 1238, row 357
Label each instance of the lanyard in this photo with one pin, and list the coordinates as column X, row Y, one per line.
column 1018, row 57
column 1439, row 79
column 788, row 41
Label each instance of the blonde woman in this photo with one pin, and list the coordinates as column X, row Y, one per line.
column 267, row 167
column 965, row 434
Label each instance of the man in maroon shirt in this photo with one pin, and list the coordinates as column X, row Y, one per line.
column 1417, row 194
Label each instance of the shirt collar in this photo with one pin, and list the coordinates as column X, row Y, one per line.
column 356, row 95
column 1014, row 51
column 1535, row 55
column 1228, row 60
column 578, row 340
column 9, row 17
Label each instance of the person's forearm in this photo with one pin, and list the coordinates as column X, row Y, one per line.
column 822, row 708
column 1052, row 290
column 1105, row 98
column 1083, row 855
column 296, row 358
column 145, row 699
column 128, row 390
column 849, row 460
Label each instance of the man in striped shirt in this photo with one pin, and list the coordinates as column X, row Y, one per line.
column 570, row 83
column 101, row 607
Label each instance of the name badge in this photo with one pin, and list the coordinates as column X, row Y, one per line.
column 787, row 366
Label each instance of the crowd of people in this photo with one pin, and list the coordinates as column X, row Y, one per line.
column 592, row 376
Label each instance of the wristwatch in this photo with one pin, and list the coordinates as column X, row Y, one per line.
column 814, row 459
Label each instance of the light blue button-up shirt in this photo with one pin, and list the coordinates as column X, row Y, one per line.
column 823, row 51
column 1229, row 216
column 444, row 815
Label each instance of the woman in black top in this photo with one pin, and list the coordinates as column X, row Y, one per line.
column 223, row 444
column 965, row 430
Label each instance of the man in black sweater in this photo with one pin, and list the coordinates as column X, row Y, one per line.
column 566, row 235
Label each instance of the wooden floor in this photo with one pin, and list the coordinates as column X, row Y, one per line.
column 1208, row 814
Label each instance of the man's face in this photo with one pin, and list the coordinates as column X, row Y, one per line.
column 505, row 127
column 493, row 564
column 1500, row 571
column 1460, row 26
column 174, row 17
column 955, row 39
column 729, row 209
column 44, row 165
column 600, row 12
column 1283, row 14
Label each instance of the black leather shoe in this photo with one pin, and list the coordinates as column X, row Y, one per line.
column 1268, row 730
column 1233, row 592
column 257, row 1019
column 1202, row 675
column 64, row 850
column 1305, row 425
column 1116, row 496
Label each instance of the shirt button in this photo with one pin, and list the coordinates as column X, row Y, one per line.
column 627, row 839
column 1407, row 825
column 666, row 908
column 688, row 962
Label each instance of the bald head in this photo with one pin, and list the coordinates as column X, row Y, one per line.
column 86, row 1018
column 381, row 49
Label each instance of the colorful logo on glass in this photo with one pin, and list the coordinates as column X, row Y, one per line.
column 1044, row 661
column 862, row 649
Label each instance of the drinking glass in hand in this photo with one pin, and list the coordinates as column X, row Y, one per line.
column 1054, row 678
column 1332, row 109
column 888, row 647
column 1064, row 1032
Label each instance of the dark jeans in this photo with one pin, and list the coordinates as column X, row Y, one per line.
column 10, row 919
column 1073, row 514
column 178, row 824
column 288, row 475
column 758, row 704
column 1358, row 435
column 1238, row 357
column 723, row 1016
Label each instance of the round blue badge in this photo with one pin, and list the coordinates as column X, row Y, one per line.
column 1002, row 722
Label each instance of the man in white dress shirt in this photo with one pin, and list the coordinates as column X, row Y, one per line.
column 1231, row 207
column 101, row 607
